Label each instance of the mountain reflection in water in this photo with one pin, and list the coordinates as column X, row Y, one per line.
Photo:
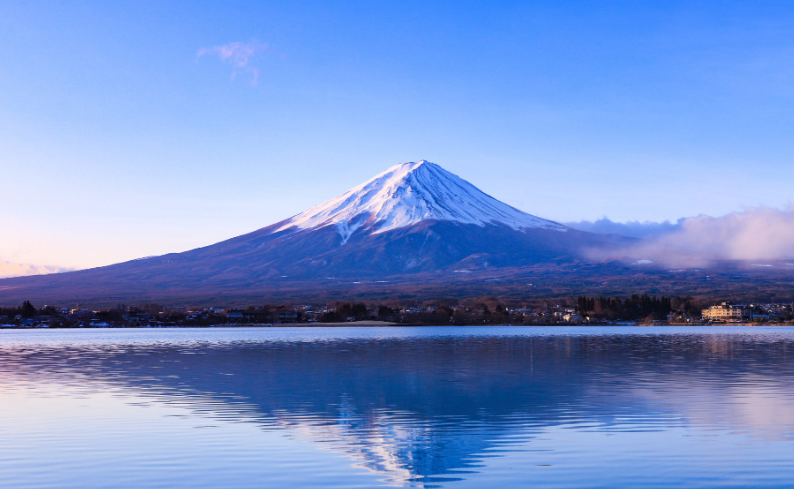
column 430, row 406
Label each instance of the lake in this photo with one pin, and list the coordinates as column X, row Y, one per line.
column 471, row 407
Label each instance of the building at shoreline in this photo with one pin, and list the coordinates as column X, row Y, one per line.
column 728, row 313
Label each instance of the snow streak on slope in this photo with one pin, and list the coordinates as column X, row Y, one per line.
column 410, row 193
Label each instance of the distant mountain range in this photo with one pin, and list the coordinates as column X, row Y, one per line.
column 415, row 230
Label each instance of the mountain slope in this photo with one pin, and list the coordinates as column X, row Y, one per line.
column 415, row 219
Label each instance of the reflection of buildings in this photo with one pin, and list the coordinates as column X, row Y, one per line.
column 427, row 409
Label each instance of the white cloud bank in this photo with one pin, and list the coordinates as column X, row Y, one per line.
column 756, row 234
column 10, row 269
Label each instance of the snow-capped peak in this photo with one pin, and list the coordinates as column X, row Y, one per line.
column 410, row 193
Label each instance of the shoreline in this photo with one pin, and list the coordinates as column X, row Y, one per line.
column 383, row 324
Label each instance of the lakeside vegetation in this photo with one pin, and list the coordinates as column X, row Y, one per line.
column 582, row 310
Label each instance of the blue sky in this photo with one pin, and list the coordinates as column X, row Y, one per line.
column 125, row 132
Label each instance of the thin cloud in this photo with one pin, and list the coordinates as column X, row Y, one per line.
column 10, row 269
column 755, row 234
column 241, row 56
column 632, row 229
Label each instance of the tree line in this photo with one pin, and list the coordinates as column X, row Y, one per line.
column 636, row 307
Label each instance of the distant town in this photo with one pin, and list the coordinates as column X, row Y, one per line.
column 638, row 310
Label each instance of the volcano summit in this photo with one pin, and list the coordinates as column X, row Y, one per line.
column 408, row 194
column 414, row 223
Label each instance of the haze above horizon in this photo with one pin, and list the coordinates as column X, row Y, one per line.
column 134, row 129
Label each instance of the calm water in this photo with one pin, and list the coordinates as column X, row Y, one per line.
column 399, row 407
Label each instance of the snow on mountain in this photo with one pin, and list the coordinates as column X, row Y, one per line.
column 407, row 194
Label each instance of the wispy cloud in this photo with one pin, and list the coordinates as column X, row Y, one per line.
column 755, row 234
column 632, row 229
column 10, row 269
column 241, row 56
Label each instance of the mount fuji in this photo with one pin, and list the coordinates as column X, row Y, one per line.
column 414, row 224
column 408, row 194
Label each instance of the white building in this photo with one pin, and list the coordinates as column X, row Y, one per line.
column 728, row 313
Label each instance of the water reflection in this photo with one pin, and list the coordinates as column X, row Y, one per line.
column 429, row 407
